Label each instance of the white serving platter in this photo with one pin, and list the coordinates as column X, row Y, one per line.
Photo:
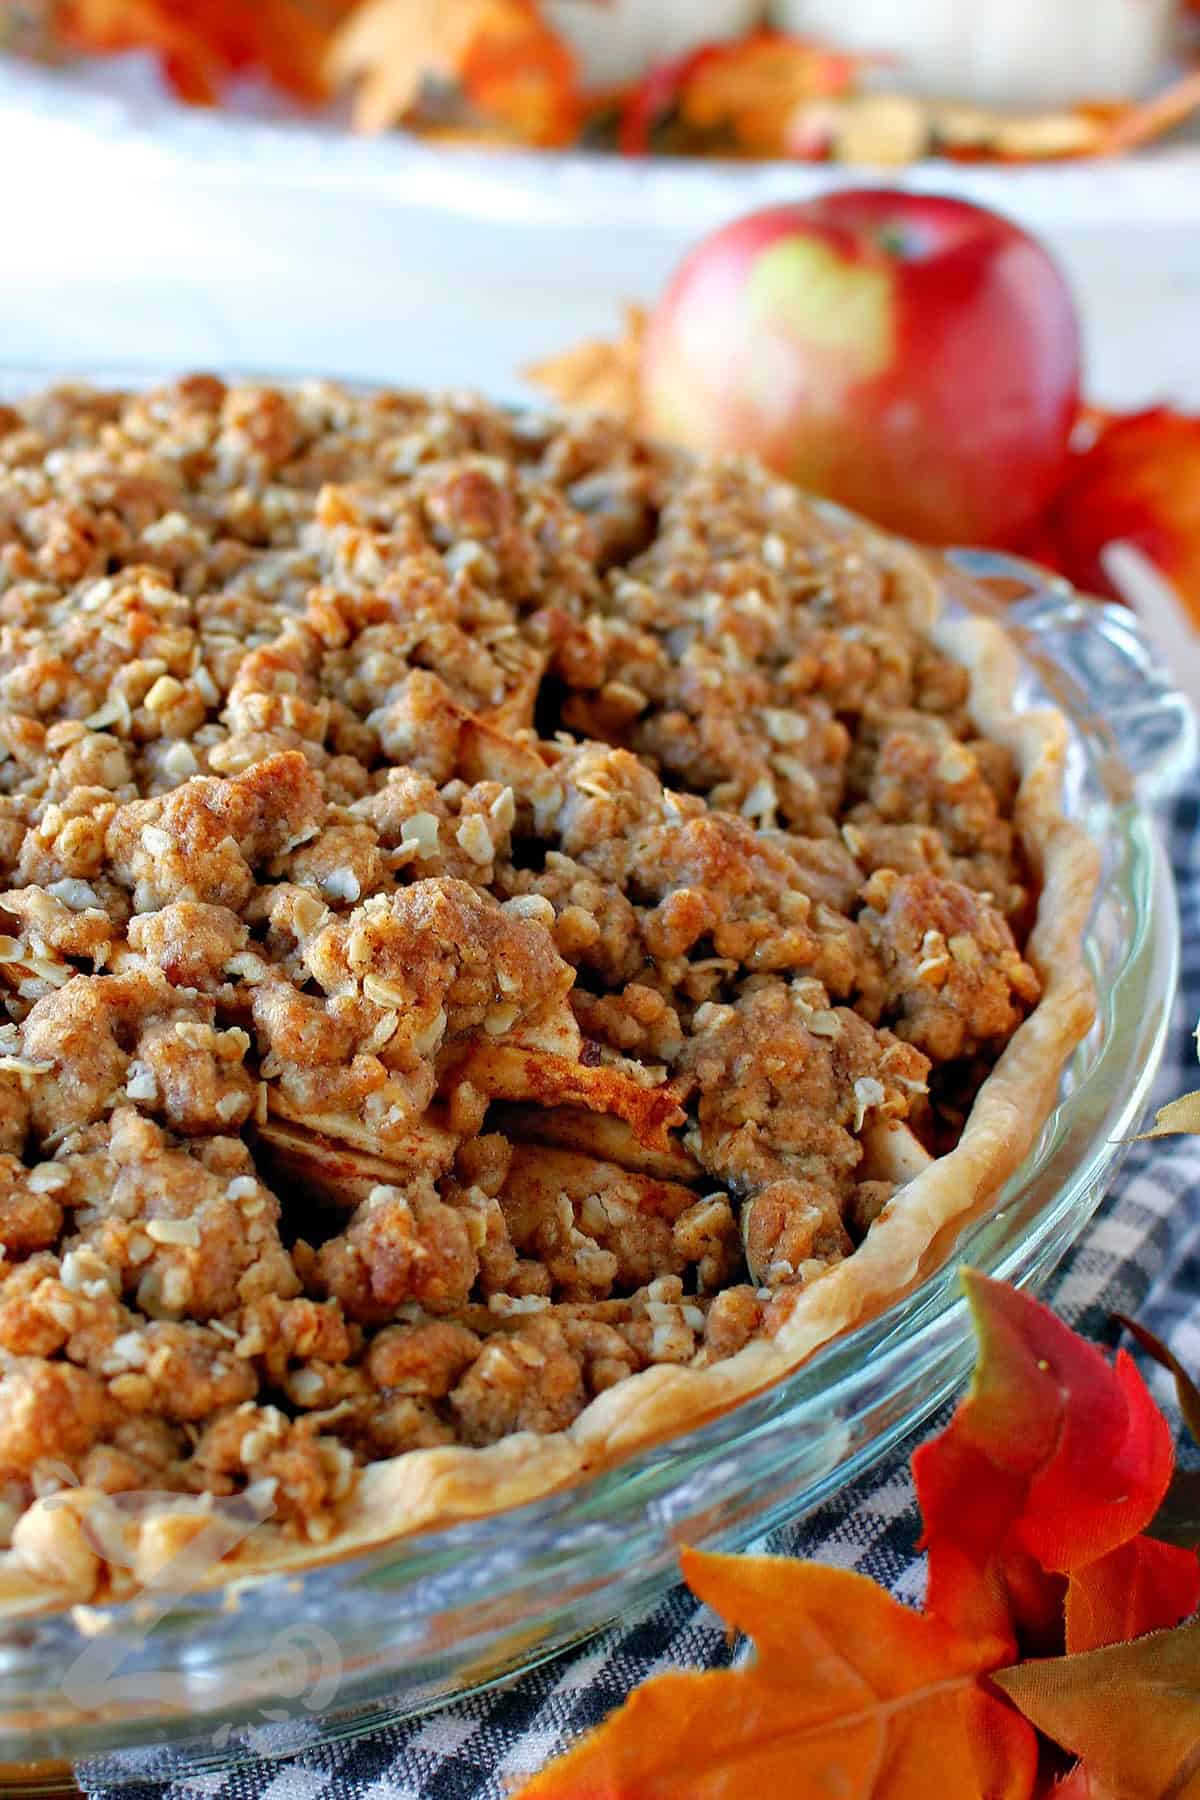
column 141, row 231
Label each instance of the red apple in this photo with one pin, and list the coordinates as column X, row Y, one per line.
column 915, row 357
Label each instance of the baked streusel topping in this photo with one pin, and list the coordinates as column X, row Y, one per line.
column 489, row 907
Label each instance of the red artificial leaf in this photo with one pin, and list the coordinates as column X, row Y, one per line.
column 1138, row 483
column 1054, row 1459
column 1139, row 1587
column 851, row 1695
column 202, row 44
column 113, row 26
column 1130, row 1712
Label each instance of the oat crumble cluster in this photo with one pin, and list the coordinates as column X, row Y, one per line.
column 478, row 894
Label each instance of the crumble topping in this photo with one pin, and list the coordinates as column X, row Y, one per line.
column 476, row 893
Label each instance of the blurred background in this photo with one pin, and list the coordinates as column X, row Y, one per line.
column 365, row 190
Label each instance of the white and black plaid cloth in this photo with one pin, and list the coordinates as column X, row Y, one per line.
column 1140, row 1255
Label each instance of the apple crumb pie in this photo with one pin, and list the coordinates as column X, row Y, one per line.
column 511, row 938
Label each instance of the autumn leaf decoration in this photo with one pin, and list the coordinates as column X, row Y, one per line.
column 1055, row 1656
column 1136, row 480
column 460, row 68
column 496, row 71
column 204, row 44
column 1130, row 1713
column 598, row 375
column 1052, row 1465
column 735, row 99
column 851, row 1694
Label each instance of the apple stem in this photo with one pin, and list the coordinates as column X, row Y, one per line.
column 894, row 240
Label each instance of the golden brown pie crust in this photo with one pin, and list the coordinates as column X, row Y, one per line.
column 525, row 1065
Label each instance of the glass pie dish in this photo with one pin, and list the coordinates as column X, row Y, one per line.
column 384, row 1633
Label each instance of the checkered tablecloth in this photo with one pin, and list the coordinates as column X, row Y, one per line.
column 1140, row 1255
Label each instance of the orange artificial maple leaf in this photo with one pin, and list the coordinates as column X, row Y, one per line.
column 600, row 375
column 201, row 43
column 1138, row 483
column 1055, row 1459
column 851, row 1694
column 521, row 75
column 479, row 66
column 1130, row 1712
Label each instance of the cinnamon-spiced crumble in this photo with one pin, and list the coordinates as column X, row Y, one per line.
column 488, row 907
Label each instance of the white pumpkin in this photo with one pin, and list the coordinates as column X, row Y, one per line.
column 1001, row 52
column 616, row 41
